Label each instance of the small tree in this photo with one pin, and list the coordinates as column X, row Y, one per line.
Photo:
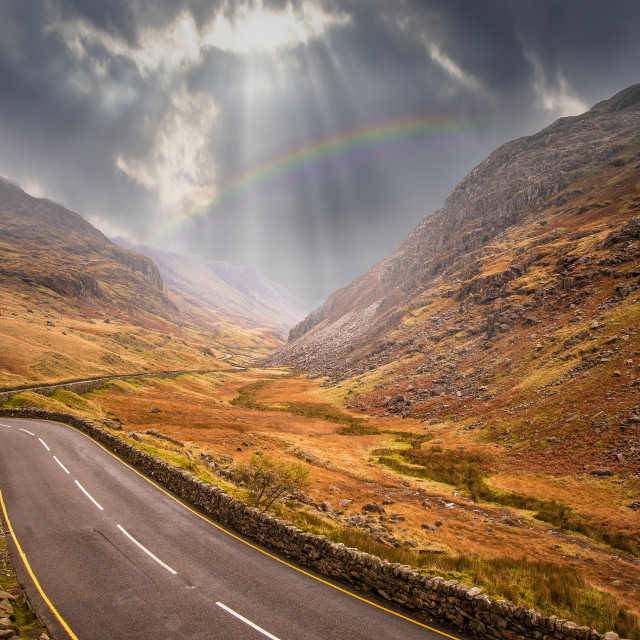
column 270, row 479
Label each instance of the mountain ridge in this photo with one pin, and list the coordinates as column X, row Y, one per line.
column 494, row 196
column 46, row 245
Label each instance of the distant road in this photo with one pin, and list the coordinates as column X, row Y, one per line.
column 119, row 558
column 227, row 356
column 79, row 384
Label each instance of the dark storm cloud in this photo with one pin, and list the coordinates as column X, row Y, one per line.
column 596, row 44
column 85, row 109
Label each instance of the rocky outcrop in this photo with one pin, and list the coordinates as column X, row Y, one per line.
column 460, row 606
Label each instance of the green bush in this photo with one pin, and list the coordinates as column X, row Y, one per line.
column 270, row 479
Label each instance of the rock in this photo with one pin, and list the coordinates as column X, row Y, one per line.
column 327, row 507
column 410, row 543
column 154, row 409
column 135, row 436
column 635, row 505
column 372, row 507
column 602, row 471
column 438, row 523
column 594, row 324
column 50, row 324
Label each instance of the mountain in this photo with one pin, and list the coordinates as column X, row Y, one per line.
column 204, row 287
column 46, row 249
column 519, row 295
column 73, row 304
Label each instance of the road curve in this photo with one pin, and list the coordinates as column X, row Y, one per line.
column 105, row 554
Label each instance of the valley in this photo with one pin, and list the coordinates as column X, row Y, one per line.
column 469, row 407
column 214, row 421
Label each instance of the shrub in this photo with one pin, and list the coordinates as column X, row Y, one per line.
column 270, row 479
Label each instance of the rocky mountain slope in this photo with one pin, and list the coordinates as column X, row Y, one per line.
column 514, row 306
column 47, row 248
column 202, row 287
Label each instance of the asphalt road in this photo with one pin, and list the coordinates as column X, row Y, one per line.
column 118, row 558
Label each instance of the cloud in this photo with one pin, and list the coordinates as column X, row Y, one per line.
column 172, row 48
column 258, row 29
column 180, row 44
column 553, row 94
column 179, row 161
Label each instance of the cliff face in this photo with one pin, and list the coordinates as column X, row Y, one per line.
column 45, row 247
column 518, row 189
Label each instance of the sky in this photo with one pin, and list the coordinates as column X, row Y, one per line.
column 305, row 138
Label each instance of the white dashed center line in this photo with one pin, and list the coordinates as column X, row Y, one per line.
column 29, row 432
column 60, row 463
column 166, row 566
column 251, row 624
column 86, row 493
column 6, row 425
column 44, row 444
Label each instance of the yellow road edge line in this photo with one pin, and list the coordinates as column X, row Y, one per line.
column 55, row 612
column 217, row 526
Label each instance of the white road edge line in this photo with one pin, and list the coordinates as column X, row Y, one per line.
column 44, row 444
column 29, row 432
column 251, row 624
column 86, row 493
column 60, row 463
column 166, row 566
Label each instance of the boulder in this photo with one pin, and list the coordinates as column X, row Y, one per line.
column 602, row 472
column 372, row 507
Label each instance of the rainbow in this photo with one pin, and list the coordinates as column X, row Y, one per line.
column 347, row 147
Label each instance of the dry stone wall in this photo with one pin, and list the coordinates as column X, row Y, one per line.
column 455, row 604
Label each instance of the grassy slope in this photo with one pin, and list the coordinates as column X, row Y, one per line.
column 45, row 337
